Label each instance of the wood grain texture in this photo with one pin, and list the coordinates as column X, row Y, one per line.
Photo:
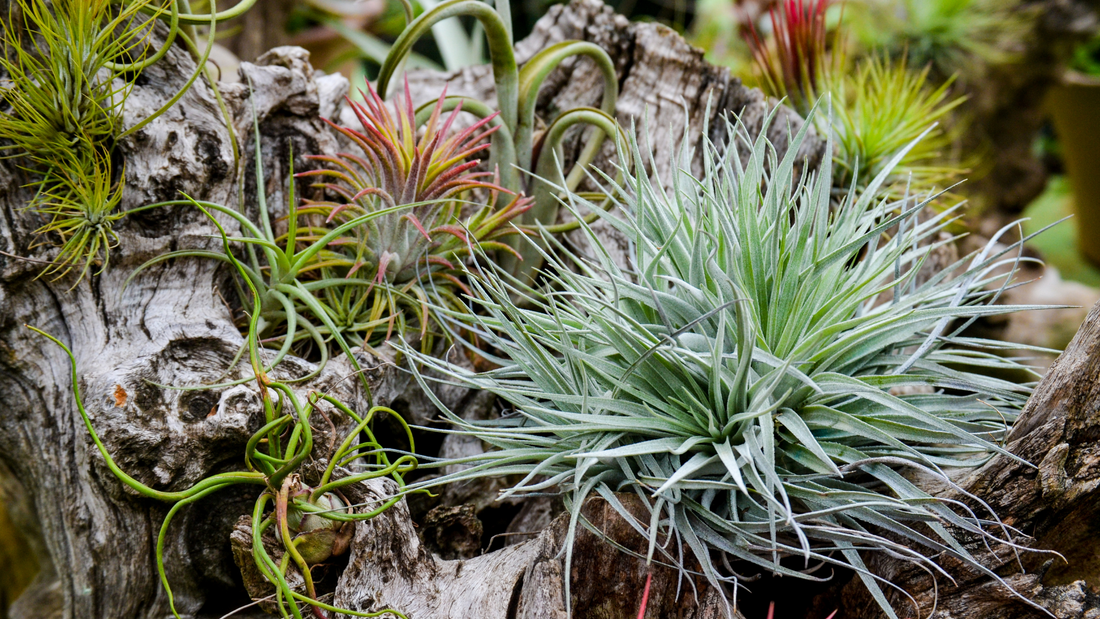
column 1055, row 504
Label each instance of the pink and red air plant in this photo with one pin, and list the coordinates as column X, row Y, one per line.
column 795, row 64
column 433, row 174
column 396, row 165
column 384, row 273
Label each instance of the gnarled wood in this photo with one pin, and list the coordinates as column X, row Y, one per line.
column 1055, row 503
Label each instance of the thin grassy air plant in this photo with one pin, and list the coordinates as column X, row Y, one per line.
column 879, row 106
column 309, row 521
column 70, row 66
column 763, row 377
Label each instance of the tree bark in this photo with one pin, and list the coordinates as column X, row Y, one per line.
column 1056, row 503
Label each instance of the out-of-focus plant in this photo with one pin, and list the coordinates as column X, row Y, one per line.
column 70, row 65
column 761, row 379
column 951, row 35
column 878, row 107
column 720, row 27
column 81, row 199
column 1086, row 58
column 351, row 36
column 309, row 521
column 517, row 147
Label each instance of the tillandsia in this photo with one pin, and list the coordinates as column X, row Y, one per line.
column 948, row 35
column 879, row 109
column 382, row 274
column 354, row 272
column 517, row 148
column 764, row 377
column 796, row 65
column 879, row 105
column 311, row 522
column 70, row 66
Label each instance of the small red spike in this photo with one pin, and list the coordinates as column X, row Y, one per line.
column 645, row 595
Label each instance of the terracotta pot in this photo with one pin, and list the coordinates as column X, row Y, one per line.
column 1075, row 108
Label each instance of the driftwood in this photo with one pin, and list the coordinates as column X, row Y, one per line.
column 94, row 538
column 1056, row 503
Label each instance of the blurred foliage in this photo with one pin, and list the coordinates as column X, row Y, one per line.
column 953, row 36
column 353, row 36
column 876, row 106
column 17, row 563
column 1086, row 58
column 1059, row 246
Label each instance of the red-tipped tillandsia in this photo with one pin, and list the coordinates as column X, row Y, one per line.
column 372, row 273
column 399, row 167
column 794, row 66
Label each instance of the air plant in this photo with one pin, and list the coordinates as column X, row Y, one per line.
column 62, row 114
column 517, row 149
column 352, row 273
column 762, row 378
column 796, row 65
column 879, row 109
column 878, row 106
column 385, row 271
column 82, row 207
column 309, row 520
column 70, row 66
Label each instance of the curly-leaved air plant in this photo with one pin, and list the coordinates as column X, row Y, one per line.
column 311, row 522
column 70, row 66
column 762, row 377
column 517, row 148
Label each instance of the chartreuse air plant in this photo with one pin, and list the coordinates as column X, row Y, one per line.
column 764, row 377
column 517, row 148
column 70, row 65
column 309, row 521
column 879, row 106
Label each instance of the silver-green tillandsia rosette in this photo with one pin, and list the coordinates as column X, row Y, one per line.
column 765, row 377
